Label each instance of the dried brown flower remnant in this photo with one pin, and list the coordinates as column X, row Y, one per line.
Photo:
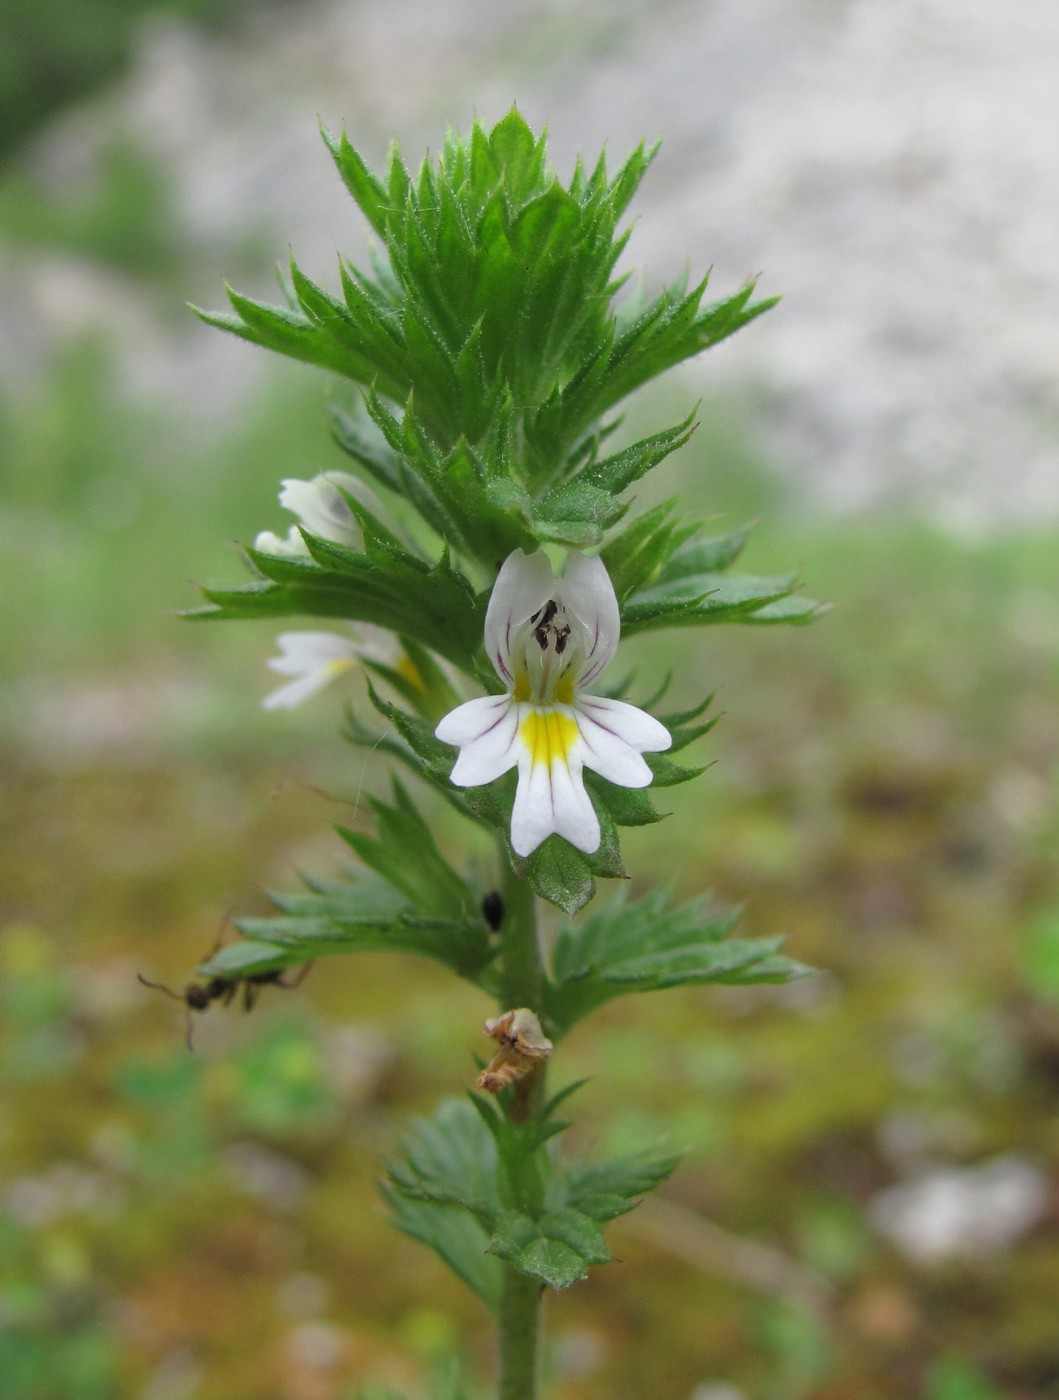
column 521, row 1046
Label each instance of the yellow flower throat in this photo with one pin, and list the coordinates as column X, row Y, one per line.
column 549, row 735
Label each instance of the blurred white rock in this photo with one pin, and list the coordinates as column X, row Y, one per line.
column 947, row 1213
column 716, row 1390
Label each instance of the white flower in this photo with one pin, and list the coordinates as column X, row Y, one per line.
column 321, row 506
column 313, row 659
column 549, row 639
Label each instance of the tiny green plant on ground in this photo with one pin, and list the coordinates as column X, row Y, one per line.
column 479, row 561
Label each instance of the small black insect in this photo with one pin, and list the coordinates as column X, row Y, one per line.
column 197, row 996
column 493, row 910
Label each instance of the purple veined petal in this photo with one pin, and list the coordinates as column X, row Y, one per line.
column 532, row 818
column 490, row 746
column 636, row 727
column 472, row 719
column 523, row 586
column 588, row 593
column 551, row 797
column 483, row 762
column 575, row 817
column 611, row 756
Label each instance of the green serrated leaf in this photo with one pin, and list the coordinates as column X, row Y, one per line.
column 433, row 604
column 351, row 435
column 249, row 957
column 682, row 733
column 796, row 610
column 559, row 874
column 701, row 598
column 576, row 514
column 557, row 1249
column 626, row 806
column 634, row 556
column 645, row 946
column 667, row 774
column 362, row 914
column 712, row 555
column 615, row 474
column 368, row 191
column 458, row 1239
column 606, row 1190
column 450, row 1159
column 406, row 856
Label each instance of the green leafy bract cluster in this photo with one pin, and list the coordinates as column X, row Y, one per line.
column 490, row 347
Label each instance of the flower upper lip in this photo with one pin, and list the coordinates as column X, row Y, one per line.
column 573, row 620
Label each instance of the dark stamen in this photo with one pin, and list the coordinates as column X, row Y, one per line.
column 546, row 614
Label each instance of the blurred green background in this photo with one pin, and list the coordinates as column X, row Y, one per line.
column 869, row 1205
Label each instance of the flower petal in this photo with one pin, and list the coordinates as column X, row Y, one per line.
column 486, row 730
column 294, row 692
column 611, row 757
column 523, row 586
column 588, row 593
column 472, row 719
column 290, row 547
column 636, row 727
column 310, row 651
column 575, row 817
column 314, row 659
column 321, row 505
column 551, row 797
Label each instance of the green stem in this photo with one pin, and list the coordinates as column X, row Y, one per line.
column 520, row 959
column 520, row 985
column 520, row 1299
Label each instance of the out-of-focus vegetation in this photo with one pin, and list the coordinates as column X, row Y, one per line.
column 126, row 221
column 111, row 506
column 53, row 52
column 206, row 1226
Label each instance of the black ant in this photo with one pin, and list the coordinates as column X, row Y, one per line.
column 197, row 996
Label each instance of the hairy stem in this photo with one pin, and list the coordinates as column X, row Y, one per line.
column 520, row 985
